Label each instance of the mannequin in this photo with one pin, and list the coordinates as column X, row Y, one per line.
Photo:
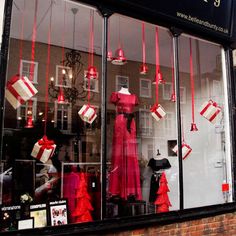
column 124, row 90
column 124, row 178
column 158, row 165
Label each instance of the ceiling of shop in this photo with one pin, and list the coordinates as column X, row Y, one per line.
column 128, row 30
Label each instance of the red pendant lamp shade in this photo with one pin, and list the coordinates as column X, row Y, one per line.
column 61, row 97
column 119, row 58
column 143, row 69
column 29, row 123
column 109, row 55
column 159, row 78
column 173, row 97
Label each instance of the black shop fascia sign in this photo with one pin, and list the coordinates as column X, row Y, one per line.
column 213, row 19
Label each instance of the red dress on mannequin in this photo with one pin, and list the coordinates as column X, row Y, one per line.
column 124, row 178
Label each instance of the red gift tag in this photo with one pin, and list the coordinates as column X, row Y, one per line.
column 225, row 187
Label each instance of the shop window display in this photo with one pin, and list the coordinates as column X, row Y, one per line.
column 57, row 149
column 39, row 152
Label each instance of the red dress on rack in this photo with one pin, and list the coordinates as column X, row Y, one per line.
column 124, row 180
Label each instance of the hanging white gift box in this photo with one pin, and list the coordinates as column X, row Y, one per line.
column 87, row 113
column 186, row 150
column 19, row 89
column 210, row 110
column 43, row 149
column 157, row 112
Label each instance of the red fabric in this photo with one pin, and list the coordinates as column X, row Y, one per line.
column 124, row 177
column 84, row 206
column 162, row 202
column 70, row 188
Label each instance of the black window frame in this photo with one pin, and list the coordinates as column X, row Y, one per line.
column 107, row 8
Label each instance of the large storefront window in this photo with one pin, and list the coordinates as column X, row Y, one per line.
column 89, row 136
column 205, row 123
column 51, row 156
column 140, row 135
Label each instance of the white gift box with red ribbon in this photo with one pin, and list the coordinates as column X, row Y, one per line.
column 87, row 113
column 186, row 150
column 43, row 149
column 157, row 112
column 210, row 110
column 19, row 89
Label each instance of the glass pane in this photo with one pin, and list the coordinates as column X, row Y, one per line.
column 62, row 124
column 203, row 95
column 137, row 143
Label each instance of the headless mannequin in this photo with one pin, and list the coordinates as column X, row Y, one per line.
column 158, row 165
column 124, row 90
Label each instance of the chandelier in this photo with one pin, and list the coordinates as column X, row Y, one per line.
column 70, row 88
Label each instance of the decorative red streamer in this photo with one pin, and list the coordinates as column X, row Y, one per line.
column 31, row 75
column 157, row 64
column 33, row 41
column 21, row 37
column 143, row 43
column 91, row 50
column 191, row 78
column 63, row 47
column 47, row 70
column 173, row 95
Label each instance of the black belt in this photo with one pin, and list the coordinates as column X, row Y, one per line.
column 129, row 117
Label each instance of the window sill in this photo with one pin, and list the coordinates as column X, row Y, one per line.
column 128, row 223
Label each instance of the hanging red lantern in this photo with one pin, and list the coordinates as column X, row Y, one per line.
column 29, row 123
column 61, row 97
column 173, row 97
column 119, row 58
column 159, row 78
column 109, row 55
column 143, row 69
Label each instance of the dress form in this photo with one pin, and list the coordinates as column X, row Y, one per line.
column 124, row 90
column 158, row 166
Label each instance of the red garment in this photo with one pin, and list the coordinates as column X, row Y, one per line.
column 162, row 201
column 84, row 206
column 70, row 188
column 125, row 175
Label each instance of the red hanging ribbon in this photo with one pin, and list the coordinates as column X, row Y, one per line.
column 91, row 45
column 173, row 95
column 48, row 69
column 193, row 126
column 21, row 37
column 33, row 42
column 143, row 43
column 61, row 93
column 157, row 64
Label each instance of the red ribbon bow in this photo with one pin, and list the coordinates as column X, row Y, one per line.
column 154, row 107
column 46, row 143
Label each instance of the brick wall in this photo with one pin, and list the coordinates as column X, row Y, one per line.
column 221, row 225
